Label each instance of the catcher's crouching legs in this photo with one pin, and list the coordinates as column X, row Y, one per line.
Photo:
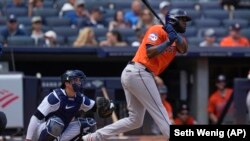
column 54, row 128
column 87, row 125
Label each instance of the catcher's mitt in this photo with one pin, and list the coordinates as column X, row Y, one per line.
column 105, row 107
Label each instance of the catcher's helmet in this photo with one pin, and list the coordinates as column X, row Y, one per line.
column 73, row 74
column 173, row 18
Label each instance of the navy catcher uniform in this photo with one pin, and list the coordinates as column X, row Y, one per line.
column 55, row 117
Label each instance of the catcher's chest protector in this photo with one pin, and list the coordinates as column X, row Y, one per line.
column 69, row 106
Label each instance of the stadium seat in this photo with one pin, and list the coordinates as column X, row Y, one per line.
column 126, row 32
column 21, row 41
column 61, row 41
column 59, row 4
column 26, row 21
column 90, row 4
column 2, row 21
column 194, row 14
column 241, row 14
column 46, row 28
column 56, row 22
column 40, row 42
column 207, row 23
column 26, row 29
column 48, row 4
column 101, row 38
column 155, row 5
column 131, row 39
column 65, row 31
column 243, row 23
column 194, row 41
column 183, row 4
column 246, row 32
column 80, row 22
column 210, row 5
column 191, row 31
column 100, row 32
column 71, row 40
column 46, row 12
column 2, row 4
column 1, row 39
column 19, row 12
column 216, row 14
column 2, row 27
column 109, row 13
column 120, row 4
column 219, row 32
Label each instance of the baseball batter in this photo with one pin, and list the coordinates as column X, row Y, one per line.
column 157, row 50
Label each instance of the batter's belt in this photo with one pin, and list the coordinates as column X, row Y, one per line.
column 140, row 65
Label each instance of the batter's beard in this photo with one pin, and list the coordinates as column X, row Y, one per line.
column 179, row 29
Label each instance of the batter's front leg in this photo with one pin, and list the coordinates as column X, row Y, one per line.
column 151, row 100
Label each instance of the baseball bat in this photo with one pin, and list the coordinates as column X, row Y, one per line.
column 114, row 116
column 146, row 3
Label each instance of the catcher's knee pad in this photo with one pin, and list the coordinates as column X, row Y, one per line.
column 88, row 125
column 55, row 126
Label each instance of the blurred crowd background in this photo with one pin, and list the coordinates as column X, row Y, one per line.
column 79, row 23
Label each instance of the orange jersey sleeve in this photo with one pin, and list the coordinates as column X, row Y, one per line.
column 155, row 36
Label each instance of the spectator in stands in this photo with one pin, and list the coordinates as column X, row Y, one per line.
column 132, row 17
column 68, row 6
column 50, row 39
column 78, row 12
column 146, row 20
column 86, row 37
column 209, row 39
column 11, row 29
column 184, row 117
column 16, row 4
column 139, row 34
column 113, row 38
column 118, row 21
column 163, row 90
column 37, row 32
column 229, row 4
column 95, row 18
column 218, row 99
column 164, row 7
column 34, row 5
column 235, row 39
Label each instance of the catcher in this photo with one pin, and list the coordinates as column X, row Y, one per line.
column 56, row 117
